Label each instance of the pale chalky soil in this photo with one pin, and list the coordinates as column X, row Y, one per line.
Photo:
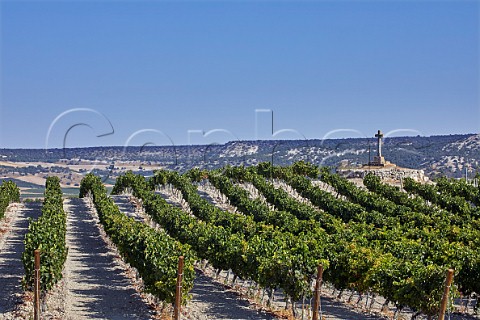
column 96, row 285
column 11, row 249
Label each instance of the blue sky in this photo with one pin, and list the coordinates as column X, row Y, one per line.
column 179, row 67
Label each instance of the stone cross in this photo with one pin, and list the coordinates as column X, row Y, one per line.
column 379, row 136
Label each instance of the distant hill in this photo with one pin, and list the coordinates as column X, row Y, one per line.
column 436, row 155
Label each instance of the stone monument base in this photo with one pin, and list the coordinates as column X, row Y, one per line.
column 388, row 171
column 378, row 161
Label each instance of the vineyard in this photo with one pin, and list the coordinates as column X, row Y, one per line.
column 377, row 242
column 9, row 193
column 268, row 231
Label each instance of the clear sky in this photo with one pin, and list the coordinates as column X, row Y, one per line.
column 174, row 67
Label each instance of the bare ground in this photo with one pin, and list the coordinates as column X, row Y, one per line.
column 211, row 300
column 11, row 248
column 96, row 285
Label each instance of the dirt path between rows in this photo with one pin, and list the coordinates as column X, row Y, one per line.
column 11, row 249
column 95, row 284
column 211, row 300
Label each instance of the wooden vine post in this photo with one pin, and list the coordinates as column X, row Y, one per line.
column 448, row 283
column 318, row 284
column 178, row 291
column 36, row 286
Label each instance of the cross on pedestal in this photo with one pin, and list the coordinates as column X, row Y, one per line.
column 379, row 136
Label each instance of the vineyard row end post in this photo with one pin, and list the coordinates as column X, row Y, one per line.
column 178, row 291
column 446, row 291
column 318, row 284
column 36, row 286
